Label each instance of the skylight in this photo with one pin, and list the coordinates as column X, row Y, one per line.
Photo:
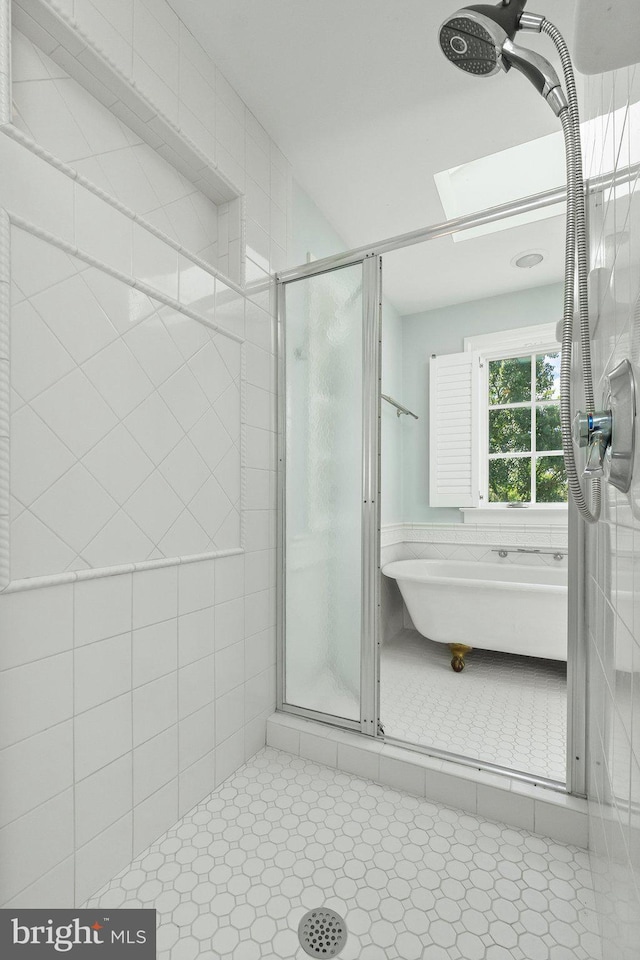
column 531, row 168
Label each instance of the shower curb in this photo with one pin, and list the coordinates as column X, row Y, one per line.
column 508, row 800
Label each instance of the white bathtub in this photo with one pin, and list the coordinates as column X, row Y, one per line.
column 512, row 608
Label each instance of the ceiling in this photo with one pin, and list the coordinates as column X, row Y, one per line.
column 359, row 98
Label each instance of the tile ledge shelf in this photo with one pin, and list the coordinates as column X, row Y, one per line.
column 518, row 804
column 477, row 534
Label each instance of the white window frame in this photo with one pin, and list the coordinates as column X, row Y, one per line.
column 497, row 346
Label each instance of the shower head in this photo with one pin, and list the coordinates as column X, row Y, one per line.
column 474, row 36
column 479, row 40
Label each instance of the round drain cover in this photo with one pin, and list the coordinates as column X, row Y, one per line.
column 322, row 933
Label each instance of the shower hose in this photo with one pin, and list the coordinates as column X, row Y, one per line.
column 575, row 254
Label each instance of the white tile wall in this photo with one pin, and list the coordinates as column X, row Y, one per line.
column 132, row 695
column 55, row 111
column 130, row 727
column 477, row 535
column 106, row 457
column 613, row 549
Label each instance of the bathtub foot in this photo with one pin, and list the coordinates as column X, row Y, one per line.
column 459, row 651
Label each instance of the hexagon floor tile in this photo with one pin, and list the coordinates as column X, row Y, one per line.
column 502, row 709
column 414, row 880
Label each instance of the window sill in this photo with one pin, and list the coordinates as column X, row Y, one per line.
column 499, row 514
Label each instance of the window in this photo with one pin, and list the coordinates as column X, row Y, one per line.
column 494, row 431
column 523, row 444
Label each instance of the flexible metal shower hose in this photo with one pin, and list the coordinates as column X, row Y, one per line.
column 576, row 246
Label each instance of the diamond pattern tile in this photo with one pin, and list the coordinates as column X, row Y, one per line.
column 501, row 709
column 187, row 336
column 228, row 533
column 210, row 506
column 185, row 469
column 31, row 437
column 227, row 473
column 184, row 536
column 120, row 536
column 75, row 317
column 211, row 439
column 154, row 349
column 119, row 378
column 414, row 880
column 184, row 397
column 38, row 360
column 35, row 549
column 75, row 507
column 154, row 427
column 54, row 265
column 124, row 449
column 211, row 371
column 154, row 506
column 120, row 463
column 75, row 411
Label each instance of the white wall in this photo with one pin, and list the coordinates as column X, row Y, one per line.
column 311, row 233
column 129, row 691
column 613, row 550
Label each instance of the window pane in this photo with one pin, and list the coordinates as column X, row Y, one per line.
column 551, row 480
column 510, row 431
column 548, row 435
column 510, row 380
column 548, row 377
column 510, row 480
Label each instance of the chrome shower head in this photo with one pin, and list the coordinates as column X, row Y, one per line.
column 473, row 37
column 479, row 40
column 470, row 45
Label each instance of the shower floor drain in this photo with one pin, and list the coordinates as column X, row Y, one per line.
column 322, row 933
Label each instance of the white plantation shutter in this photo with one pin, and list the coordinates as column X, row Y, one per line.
column 453, row 431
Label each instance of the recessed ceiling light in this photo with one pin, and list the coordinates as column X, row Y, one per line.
column 528, row 260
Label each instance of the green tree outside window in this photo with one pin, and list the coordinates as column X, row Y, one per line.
column 525, row 460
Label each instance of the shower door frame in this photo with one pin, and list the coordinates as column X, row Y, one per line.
column 576, row 777
column 370, row 524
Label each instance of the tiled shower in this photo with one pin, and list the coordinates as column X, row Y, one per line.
column 141, row 218
column 613, row 584
column 138, row 544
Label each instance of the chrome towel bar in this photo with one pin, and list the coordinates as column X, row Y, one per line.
column 556, row 554
column 399, row 408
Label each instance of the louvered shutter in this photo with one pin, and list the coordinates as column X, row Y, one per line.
column 453, row 431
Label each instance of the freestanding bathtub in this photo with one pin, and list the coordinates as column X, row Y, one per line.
column 508, row 607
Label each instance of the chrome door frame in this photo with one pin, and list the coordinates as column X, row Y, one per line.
column 577, row 761
column 370, row 527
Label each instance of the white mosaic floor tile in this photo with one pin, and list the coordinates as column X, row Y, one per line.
column 502, row 709
column 413, row 880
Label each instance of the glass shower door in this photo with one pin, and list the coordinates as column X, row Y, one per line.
column 327, row 323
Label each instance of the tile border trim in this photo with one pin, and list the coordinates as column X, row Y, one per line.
column 468, row 534
column 145, row 288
